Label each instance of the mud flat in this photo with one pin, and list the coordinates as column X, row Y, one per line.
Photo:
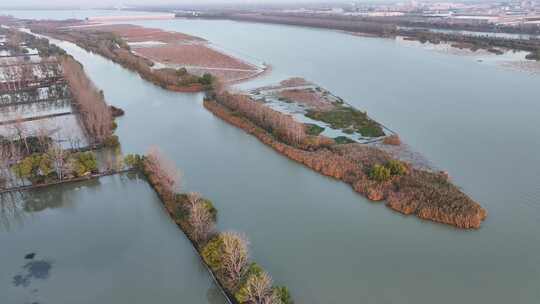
column 181, row 50
column 370, row 171
column 173, row 60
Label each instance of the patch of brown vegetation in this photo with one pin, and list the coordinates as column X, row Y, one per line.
column 192, row 55
column 175, row 51
column 307, row 97
column 392, row 140
column 184, row 50
column 95, row 114
column 114, row 48
column 134, row 33
column 426, row 194
column 287, row 83
column 294, row 82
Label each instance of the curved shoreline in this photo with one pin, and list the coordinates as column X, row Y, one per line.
column 329, row 163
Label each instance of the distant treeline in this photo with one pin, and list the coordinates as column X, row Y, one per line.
column 344, row 24
column 451, row 24
column 476, row 42
column 391, row 27
column 391, row 21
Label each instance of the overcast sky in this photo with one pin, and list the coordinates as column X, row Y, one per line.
column 95, row 3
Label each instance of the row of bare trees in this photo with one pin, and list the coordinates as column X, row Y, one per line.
column 94, row 111
column 285, row 126
column 201, row 221
column 226, row 253
column 164, row 171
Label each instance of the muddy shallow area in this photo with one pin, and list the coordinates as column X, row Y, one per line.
column 170, row 49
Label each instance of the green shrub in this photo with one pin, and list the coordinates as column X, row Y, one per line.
column 348, row 119
column 283, row 295
column 396, row 167
column 210, row 208
column 134, row 161
column 253, row 276
column 212, row 252
column 343, row 140
column 84, row 163
column 112, row 141
column 206, row 79
column 24, row 168
column 36, row 167
column 313, row 129
column 379, row 173
column 46, row 165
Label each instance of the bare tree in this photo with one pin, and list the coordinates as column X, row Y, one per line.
column 42, row 135
column 273, row 121
column 57, row 154
column 164, row 170
column 27, row 73
column 235, row 258
column 201, row 222
column 194, row 198
column 4, row 164
column 258, row 290
column 94, row 112
column 21, row 132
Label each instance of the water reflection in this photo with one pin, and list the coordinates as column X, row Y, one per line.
column 40, row 108
column 34, row 270
column 16, row 206
column 214, row 295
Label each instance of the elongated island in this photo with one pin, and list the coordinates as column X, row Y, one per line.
column 298, row 119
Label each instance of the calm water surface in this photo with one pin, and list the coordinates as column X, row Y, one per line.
column 106, row 241
column 313, row 234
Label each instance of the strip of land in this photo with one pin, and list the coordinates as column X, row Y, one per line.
column 373, row 27
column 173, row 60
column 368, row 169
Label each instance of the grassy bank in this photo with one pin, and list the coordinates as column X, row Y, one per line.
column 349, row 120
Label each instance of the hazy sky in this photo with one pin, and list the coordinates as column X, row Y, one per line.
column 87, row 3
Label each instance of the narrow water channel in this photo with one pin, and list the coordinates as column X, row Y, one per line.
column 313, row 234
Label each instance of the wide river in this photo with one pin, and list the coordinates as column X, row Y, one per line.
column 112, row 242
